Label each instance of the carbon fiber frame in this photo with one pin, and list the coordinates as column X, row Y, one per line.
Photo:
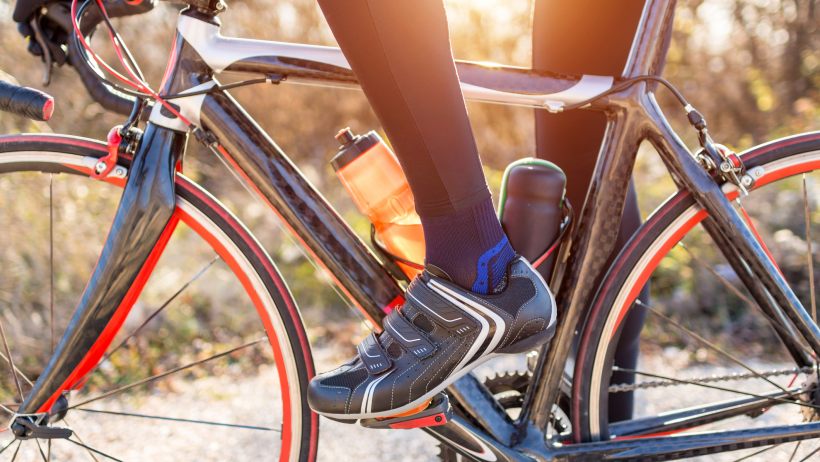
column 139, row 232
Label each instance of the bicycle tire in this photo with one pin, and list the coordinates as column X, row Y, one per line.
column 233, row 242
column 627, row 275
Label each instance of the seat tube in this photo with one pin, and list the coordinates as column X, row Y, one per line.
column 142, row 225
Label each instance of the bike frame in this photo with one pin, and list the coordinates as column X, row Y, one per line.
column 144, row 221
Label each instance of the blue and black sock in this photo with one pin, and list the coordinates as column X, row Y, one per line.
column 470, row 246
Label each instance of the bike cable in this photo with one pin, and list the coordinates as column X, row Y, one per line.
column 134, row 78
column 628, row 83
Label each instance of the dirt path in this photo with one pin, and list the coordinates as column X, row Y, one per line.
column 232, row 402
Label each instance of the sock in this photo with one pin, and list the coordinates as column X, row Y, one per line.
column 470, row 246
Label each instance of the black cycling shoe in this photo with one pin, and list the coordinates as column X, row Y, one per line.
column 440, row 333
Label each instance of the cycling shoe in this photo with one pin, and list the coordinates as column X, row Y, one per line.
column 440, row 333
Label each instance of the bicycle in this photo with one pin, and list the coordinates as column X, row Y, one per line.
column 557, row 413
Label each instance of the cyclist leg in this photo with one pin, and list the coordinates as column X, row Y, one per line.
column 476, row 298
column 400, row 51
column 588, row 37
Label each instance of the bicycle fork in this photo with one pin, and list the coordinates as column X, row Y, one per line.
column 141, row 228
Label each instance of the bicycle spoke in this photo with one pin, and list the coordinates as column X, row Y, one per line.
column 77, row 435
column 807, row 214
column 749, row 456
column 794, row 453
column 7, row 409
column 51, row 255
column 159, row 310
column 708, row 344
column 16, row 451
column 17, row 370
column 719, row 276
column 10, row 361
column 809, row 455
column 94, row 450
column 177, row 419
column 3, row 449
column 714, row 387
column 40, row 448
column 167, row 373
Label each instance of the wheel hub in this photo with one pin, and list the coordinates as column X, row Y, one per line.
column 28, row 426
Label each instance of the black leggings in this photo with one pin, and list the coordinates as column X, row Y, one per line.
column 399, row 50
column 588, row 37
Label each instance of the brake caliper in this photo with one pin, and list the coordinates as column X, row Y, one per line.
column 119, row 141
column 716, row 158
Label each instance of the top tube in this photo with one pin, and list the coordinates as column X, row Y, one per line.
column 327, row 66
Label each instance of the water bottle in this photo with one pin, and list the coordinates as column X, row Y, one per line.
column 372, row 175
column 531, row 209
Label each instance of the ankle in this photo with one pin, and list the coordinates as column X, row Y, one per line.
column 469, row 246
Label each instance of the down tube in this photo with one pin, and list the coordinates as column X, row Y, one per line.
column 310, row 217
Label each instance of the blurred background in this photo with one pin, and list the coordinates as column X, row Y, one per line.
column 751, row 66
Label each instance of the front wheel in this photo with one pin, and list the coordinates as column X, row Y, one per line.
column 212, row 361
column 705, row 342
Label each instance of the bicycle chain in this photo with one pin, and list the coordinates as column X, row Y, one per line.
column 625, row 387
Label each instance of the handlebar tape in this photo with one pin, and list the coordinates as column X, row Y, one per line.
column 26, row 102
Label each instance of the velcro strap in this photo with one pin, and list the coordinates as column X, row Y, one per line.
column 408, row 335
column 373, row 356
column 441, row 311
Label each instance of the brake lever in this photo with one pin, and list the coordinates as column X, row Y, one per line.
column 47, row 58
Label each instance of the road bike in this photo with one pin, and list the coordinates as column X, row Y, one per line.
column 557, row 411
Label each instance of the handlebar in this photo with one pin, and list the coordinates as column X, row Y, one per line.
column 90, row 76
column 26, row 102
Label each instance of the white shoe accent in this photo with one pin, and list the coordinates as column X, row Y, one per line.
column 367, row 398
column 417, row 402
column 482, row 336
column 465, row 302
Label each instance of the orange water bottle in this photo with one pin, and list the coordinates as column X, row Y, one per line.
column 372, row 174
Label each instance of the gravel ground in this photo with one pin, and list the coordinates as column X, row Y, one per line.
column 338, row 442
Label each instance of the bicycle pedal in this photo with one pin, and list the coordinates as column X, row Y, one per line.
column 438, row 412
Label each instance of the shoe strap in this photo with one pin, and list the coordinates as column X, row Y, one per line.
column 438, row 309
column 373, row 355
column 408, row 335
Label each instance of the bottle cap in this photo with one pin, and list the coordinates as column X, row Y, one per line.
column 352, row 146
column 345, row 136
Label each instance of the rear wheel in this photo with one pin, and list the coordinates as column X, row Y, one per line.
column 213, row 359
column 705, row 340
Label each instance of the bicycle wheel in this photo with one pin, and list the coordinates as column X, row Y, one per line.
column 703, row 330
column 213, row 359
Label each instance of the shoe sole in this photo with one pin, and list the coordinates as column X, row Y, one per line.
column 353, row 418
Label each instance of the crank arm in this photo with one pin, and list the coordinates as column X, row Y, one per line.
column 473, row 443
